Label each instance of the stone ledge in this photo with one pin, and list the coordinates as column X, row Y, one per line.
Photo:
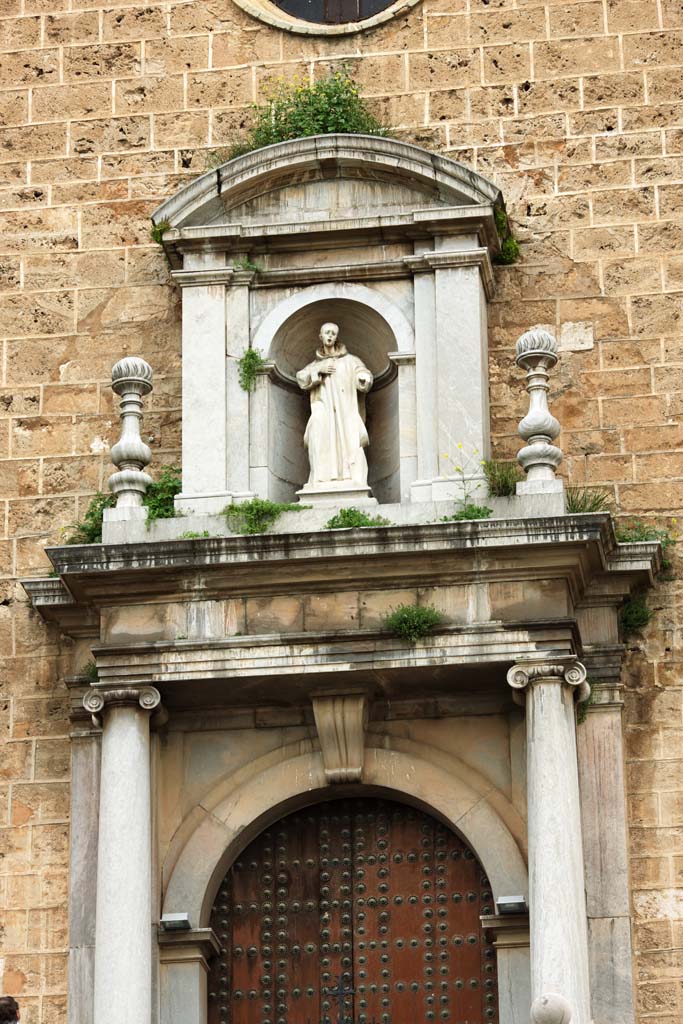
column 581, row 549
column 248, row 670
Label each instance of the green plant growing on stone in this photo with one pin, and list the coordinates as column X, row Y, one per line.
column 502, row 478
column 193, row 535
column 468, row 512
column 634, row 615
column 638, row 532
column 257, row 515
column 509, row 246
column 463, row 467
column 89, row 671
column 160, row 494
column 89, row 529
column 352, row 518
column 579, row 500
column 297, row 109
column 158, row 501
column 244, row 263
column 157, row 231
column 248, row 366
column 412, row 622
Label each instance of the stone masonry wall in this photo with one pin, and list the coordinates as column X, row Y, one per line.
column 574, row 109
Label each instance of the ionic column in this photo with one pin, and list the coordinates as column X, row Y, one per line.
column 123, row 950
column 557, row 903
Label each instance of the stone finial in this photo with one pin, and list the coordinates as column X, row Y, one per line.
column 551, row 1008
column 131, row 378
column 536, row 352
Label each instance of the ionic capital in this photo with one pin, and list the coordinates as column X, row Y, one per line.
column 564, row 669
column 95, row 700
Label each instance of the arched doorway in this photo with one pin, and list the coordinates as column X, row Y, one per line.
column 353, row 910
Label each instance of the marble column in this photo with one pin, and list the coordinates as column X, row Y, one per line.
column 123, row 918
column 560, row 987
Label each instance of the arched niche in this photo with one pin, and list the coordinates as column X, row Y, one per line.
column 371, row 328
column 412, row 231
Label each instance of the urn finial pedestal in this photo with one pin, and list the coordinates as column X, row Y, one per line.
column 131, row 378
column 536, row 352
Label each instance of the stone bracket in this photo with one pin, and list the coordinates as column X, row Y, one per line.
column 341, row 720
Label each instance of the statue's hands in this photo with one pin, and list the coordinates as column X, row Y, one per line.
column 328, row 366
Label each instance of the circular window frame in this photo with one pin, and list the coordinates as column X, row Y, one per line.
column 272, row 15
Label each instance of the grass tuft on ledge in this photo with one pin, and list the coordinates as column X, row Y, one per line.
column 412, row 622
column 256, row 515
column 353, row 518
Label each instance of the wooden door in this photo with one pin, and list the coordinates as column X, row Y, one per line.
column 354, row 911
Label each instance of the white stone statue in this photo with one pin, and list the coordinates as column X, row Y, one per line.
column 335, row 434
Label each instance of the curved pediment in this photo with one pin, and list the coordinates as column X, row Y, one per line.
column 340, row 180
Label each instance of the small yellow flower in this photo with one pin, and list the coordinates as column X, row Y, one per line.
column 459, row 445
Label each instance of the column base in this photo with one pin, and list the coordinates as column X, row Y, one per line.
column 335, row 497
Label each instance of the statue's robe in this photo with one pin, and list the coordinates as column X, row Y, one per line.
column 335, row 434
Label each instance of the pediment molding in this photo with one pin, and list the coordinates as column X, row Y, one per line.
column 267, row 194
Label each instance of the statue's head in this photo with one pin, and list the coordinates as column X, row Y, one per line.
column 329, row 334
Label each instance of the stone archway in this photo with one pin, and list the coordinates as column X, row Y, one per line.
column 229, row 817
column 353, row 909
column 217, row 831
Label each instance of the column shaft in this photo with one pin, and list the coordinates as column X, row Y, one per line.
column 559, row 944
column 123, row 967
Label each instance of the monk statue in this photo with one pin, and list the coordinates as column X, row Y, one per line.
column 335, row 434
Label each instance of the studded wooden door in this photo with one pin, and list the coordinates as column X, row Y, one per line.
column 352, row 912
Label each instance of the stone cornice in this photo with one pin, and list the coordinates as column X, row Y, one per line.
column 426, row 223
column 444, row 259
column 367, row 271
column 579, row 549
column 237, row 669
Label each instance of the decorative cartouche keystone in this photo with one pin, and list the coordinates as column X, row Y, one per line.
column 131, row 378
column 537, row 353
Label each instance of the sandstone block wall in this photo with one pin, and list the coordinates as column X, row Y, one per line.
column 574, row 109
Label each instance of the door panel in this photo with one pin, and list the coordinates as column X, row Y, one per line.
column 366, row 896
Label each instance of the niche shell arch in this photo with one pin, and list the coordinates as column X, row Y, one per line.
column 371, row 327
column 263, row 794
column 404, row 233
